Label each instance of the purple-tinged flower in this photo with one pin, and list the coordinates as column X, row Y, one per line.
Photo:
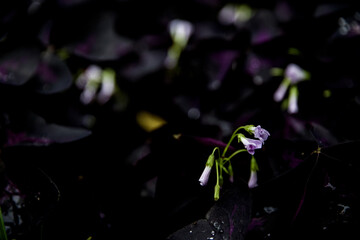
column 204, row 178
column 107, row 86
column 92, row 73
column 295, row 73
column 253, row 179
column 253, row 173
column 250, row 144
column 293, row 100
column 260, row 133
column 280, row 92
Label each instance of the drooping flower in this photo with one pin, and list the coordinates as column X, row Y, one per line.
column 253, row 179
column 180, row 32
column 107, row 86
column 204, row 178
column 293, row 100
column 295, row 73
column 259, row 132
column 281, row 90
column 253, row 173
column 250, row 144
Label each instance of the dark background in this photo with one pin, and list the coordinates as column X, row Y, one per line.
column 93, row 171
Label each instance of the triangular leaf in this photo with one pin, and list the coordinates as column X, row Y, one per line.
column 52, row 75
column 18, row 66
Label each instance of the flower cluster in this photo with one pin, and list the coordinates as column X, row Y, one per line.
column 292, row 76
column 223, row 163
column 93, row 79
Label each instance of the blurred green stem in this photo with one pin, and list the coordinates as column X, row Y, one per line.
column 3, row 235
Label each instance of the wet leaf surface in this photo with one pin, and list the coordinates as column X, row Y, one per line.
column 227, row 219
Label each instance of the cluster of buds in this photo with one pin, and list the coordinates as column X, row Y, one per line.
column 223, row 163
column 292, row 76
column 96, row 83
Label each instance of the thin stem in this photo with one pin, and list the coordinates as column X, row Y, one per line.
column 3, row 235
column 217, row 172
column 235, row 153
column 231, row 139
column 218, row 149
column 225, row 170
column 221, row 169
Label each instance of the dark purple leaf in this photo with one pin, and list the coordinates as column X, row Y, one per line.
column 220, row 63
column 148, row 62
column 321, row 135
column 210, row 142
column 34, row 130
column 52, row 75
column 18, row 66
column 227, row 219
column 264, row 27
column 101, row 42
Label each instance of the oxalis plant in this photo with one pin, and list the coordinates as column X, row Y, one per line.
column 223, row 162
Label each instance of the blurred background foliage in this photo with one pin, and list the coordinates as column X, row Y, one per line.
column 109, row 110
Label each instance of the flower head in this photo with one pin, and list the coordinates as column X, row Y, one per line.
column 295, row 73
column 250, row 144
column 180, row 31
column 261, row 133
column 204, row 178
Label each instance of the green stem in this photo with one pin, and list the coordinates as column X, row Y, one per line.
column 235, row 153
column 217, row 172
column 3, row 235
column 217, row 186
column 218, row 149
column 231, row 139
column 221, row 180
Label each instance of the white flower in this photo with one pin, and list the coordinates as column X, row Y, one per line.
column 204, row 178
column 293, row 100
column 180, row 31
column 280, row 92
column 107, row 86
column 250, row 144
column 295, row 73
column 253, row 179
column 253, row 173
